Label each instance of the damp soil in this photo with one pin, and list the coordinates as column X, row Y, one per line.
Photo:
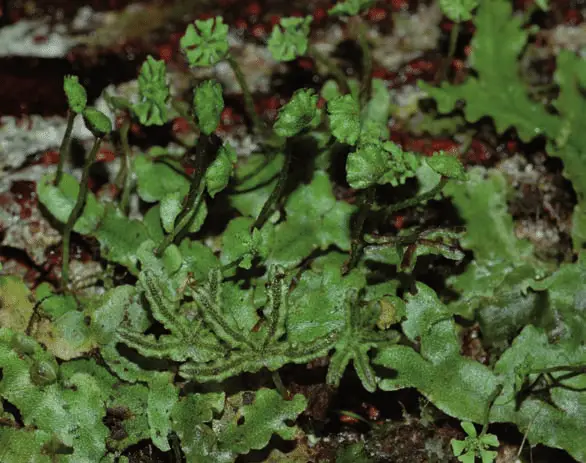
column 395, row 427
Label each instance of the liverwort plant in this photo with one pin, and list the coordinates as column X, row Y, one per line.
column 100, row 126
column 307, row 250
column 475, row 445
column 294, row 117
column 154, row 93
column 289, row 39
column 205, row 43
column 458, row 11
column 350, row 7
column 248, row 352
column 76, row 100
column 208, row 104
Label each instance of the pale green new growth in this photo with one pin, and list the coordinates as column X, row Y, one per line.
column 447, row 165
column 289, row 39
column 205, row 42
column 380, row 163
column 76, row 94
column 220, row 170
column 153, row 92
column 97, row 122
column 344, row 112
column 475, row 445
column 297, row 114
column 209, row 104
